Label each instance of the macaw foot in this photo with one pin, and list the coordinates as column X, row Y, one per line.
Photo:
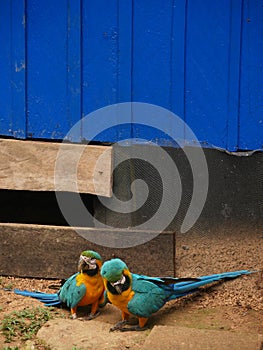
column 133, row 328
column 91, row 316
column 118, row 326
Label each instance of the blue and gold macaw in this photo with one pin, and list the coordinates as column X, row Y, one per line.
column 141, row 296
column 81, row 289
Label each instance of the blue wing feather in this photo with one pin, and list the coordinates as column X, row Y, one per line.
column 151, row 293
column 70, row 294
column 148, row 297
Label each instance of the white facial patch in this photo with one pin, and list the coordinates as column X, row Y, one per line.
column 91, row 262
column 120, row 281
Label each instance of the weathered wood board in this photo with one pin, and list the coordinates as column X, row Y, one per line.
column 53, row 252
column 47, row 166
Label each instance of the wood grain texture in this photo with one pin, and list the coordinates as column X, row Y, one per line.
column 47, row 166
column 53, row 252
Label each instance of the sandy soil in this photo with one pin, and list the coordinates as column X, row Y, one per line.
column 221, row 307
column 235, row 306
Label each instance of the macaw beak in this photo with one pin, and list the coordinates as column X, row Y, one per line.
column 119, row 284
column 86, row 263
column 81, row 265
column 118, row 288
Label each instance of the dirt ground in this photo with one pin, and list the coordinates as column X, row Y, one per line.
column 235, row 306
column 221, row 307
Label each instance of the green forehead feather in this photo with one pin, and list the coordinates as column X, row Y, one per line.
column 91, row 254
column 112, row 270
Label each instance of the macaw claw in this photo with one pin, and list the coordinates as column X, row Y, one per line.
column 118, row 326
column 91, row 316
column 133, row 328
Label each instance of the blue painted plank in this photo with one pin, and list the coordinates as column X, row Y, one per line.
column 251, row 88
column 152, row 25
column 6, row 123
column 125, row 26
column 12, row 86
column 53, row 93
column 152, row 60
column 234, row 74
column 74, row 68
column 99, row 54
column 207, row 61
column 102, row 65
column 178, row 67
column 178, row 58
column 18, row 69
column 201, row 59
column 47, row 68
column 124, row 94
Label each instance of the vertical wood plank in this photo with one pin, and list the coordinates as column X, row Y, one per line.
column 207, row 68
column 151, row 52
column 47, row 74
column 251, row 87
column 125, row 11
column 5, row 68
column 178, row 43
column 178, row 57
column 151, row 67
column 100, row 46
column 100, row 40
column 74, row 66
column 235, row 37
column 18, row 69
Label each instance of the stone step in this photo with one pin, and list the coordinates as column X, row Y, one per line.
column 67, row 334
column 183, row 338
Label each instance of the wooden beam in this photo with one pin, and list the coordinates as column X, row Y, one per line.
column 33, row 165
column 53, row 252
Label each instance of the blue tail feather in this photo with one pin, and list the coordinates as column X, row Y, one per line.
column 188, row 287
column 45, row 298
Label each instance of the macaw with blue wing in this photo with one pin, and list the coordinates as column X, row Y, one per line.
column 141, row 296
column 84, row 288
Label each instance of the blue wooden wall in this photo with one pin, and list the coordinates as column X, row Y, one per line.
column 201, row 59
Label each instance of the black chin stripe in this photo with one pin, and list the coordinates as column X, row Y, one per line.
column 123, row 287
column 92, row 273
column 111, row 289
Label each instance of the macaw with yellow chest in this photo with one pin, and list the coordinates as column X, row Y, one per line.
column 81, row 289
column 141, row 296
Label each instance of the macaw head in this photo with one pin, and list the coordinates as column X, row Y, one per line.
column 89, row 262
column 116, row 275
